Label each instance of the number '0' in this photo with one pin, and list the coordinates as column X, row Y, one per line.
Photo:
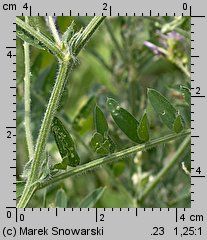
column 185, row 6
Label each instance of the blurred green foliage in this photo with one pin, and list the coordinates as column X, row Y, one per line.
column 116, row 63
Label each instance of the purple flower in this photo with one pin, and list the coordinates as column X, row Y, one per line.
column 171, row 35
column 164, row 39
column 175, row 35
column 156, row 50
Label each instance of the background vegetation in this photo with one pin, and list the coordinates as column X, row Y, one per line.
column 126, row 56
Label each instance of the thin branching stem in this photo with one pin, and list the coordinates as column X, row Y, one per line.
column 119, row 185
column 27, row 99
column 41, row 38
column 183, row 68
column 30, row 187
column 113, row 157
column 178, row 155
column 53, row 30
column 101, row 60
column 65, row 65
column 61, row 116
column 114, row 40
column 177, row 63
column 83, row 38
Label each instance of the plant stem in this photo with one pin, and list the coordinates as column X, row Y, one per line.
column 43, row 134
column 27, row 99
column 64, row 68
column 133, row 76
column 113, row 157
column 178, row 155
column 172, row 203
column 101, row 60
column 186, row 34
column 60, row 115
column 87, row 33
column 120, row 187
column 54, row 31
column 113, row 38
column 182, row 68
column 40, row 37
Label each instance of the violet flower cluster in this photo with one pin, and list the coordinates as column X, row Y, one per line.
column 164, row 40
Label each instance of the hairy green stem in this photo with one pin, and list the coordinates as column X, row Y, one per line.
column 54, row 31
column 178, row 155
column 40, row 37
column 87, row 33
column 60, row 115
column 43, row 134
column 113, row 157
column 65, row 66
column 171, row 26
column 27, row 99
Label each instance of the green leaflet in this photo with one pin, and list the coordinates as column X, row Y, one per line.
column 92, row 198
column 27, row 37
column 100, row 121
column 102, row 145
column 124, row 120
column 45, row 167
column 36, row 65
column 143, row 128
column 118, row 168
column 45, row 170
column 187, row 94
column 83, row 114
column 68, row 34
column 112, row 145
column 61, row 199
column 162, row 107
column 65, row 145
column 178, row 125
column 27, row 169
column 36, row 22
column 19, row 188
